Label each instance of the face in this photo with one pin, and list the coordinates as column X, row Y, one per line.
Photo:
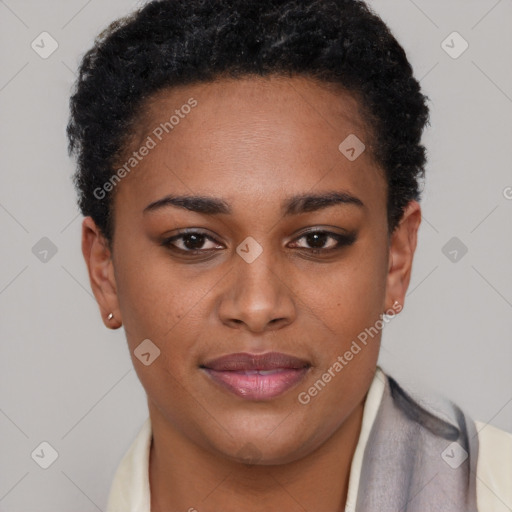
column 255, row 291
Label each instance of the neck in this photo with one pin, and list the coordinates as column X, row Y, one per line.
column 185, row 477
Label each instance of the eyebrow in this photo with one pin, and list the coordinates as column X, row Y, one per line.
column 294, row 205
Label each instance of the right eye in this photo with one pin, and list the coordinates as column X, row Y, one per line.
column 191, row 242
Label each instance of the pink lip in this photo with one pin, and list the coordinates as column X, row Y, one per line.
column 257, row 376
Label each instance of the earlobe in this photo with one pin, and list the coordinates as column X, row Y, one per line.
column 401, row 254
column 98, row 259
column 112, row 322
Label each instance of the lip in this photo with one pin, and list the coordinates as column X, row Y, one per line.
column 257, row 376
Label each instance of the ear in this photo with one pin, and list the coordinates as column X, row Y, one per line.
column 98, row 259
column 401, row 252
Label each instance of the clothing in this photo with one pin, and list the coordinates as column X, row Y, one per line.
column 404, row 459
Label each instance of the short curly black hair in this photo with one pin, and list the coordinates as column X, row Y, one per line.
column 168, row 43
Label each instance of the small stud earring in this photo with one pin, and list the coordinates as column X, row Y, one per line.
column 109, row 317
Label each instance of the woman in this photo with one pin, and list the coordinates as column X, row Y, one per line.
column 249, row 172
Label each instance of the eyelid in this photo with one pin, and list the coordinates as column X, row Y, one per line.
column 323, row 229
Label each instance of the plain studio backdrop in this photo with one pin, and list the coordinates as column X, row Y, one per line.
column 68, row 381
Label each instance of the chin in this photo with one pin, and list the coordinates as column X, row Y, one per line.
column 269, row 446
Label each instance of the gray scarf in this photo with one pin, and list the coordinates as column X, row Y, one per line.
column 410, row 463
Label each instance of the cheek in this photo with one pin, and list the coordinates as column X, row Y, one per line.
column 155, row 307
column 349, row 295
column 153, row 297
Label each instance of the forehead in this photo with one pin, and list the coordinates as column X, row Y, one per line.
column 251, row 133
column 262, row 105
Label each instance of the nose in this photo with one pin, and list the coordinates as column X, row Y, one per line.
column 257, row 296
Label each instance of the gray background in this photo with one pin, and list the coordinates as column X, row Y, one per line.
column 67, row 380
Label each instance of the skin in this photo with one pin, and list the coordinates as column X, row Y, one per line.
column 252, row 142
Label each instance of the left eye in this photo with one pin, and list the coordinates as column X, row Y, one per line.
column 317, row 240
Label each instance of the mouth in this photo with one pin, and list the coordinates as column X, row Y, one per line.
column 257, row 376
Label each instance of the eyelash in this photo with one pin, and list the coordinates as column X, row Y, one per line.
column 342, row 241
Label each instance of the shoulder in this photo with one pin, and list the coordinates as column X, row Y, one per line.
column 494, row 469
